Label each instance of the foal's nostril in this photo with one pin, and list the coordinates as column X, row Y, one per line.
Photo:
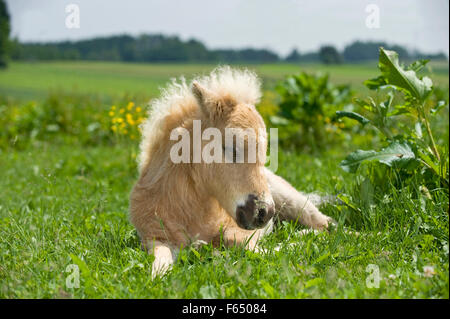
column 261, row 218
column 262, row 212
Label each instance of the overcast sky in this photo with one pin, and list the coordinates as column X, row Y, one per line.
column 276, row 25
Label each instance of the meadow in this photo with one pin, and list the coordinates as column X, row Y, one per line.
column 33, row 80
column 66, row 175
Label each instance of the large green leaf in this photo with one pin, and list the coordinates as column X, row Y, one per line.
column 396, row 154
column 353, row 115
column 404, row 79
column 375, row 83
column 418, row 65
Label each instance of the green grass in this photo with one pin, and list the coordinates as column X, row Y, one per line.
column 33, row 80
column 60, row 201
column 64, row 200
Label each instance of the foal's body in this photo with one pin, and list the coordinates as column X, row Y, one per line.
column 175, row 204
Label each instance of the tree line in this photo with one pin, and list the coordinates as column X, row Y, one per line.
column 143, row 48
column 4, row 34
column 162, row 48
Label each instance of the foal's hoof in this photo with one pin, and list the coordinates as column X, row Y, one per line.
column 323, row 222
column 331, row 224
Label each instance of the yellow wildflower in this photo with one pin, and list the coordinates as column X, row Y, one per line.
column 113, row 107
column 122, row 111
column 138, row 109
column 130, row 106
column 130, row 119
column 111, row 113
column 114, row 128
column 119, row 120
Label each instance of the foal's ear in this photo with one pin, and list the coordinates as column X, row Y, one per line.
column 211, row 104
column 202, row 94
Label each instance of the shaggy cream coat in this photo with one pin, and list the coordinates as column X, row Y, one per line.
column 179, row 204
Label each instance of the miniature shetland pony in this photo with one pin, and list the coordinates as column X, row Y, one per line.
column 178, row 203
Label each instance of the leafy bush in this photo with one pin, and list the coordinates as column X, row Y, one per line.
column 308, row 103
column 58, row 116
column 403, row 119
column 70, row 118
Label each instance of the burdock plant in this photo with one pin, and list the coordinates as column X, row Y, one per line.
column 412, row 148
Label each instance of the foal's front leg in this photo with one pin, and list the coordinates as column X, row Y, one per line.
column 235, row 235
column 293, row 205
column 164, row 257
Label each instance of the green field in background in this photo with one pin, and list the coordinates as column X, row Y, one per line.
column 34, row 80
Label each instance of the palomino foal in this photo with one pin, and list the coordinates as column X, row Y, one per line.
column 177, row 202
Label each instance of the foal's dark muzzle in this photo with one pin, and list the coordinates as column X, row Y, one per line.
column 255, row 213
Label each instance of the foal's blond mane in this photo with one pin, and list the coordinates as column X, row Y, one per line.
column 242, row 85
